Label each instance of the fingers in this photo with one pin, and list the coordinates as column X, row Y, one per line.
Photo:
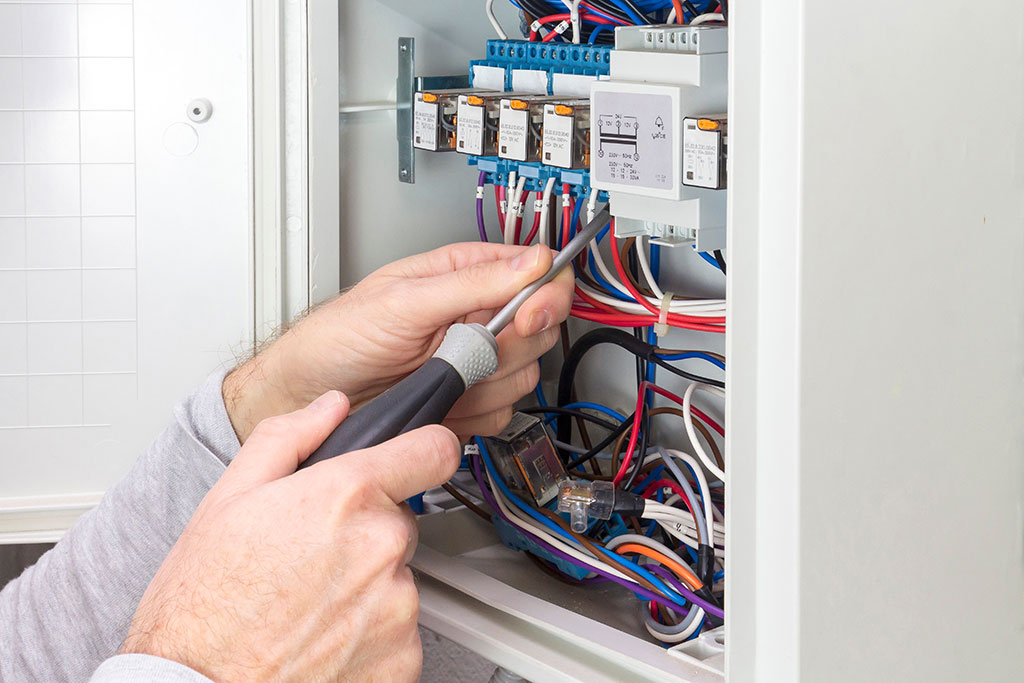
column 487, row 397
column 481, row 425
column 440, row 299
column 404, row 466
column 278, row 444
column 449, row 258
column 548, row 307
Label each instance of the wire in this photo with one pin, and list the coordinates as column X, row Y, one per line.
column 719, row 260
column 481, row 181
column 557, row 410
column 494, row 20
column 688, row 421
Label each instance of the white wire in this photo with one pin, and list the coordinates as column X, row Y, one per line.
column 645, row 266
column 702, row 483
column 542, row 234
column 513, row 207
column 530, row 526
column 696, row 307
column 671, row 17
column 494, row 20
column 704, row 18
column 574, row 17
column 592, row 205
column 692, row 433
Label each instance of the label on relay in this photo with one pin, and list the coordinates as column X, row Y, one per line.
column 424, row 124
column 633, row 139
column 701, row 156
column 558, row 138
column 512, row 132
column 469, row 137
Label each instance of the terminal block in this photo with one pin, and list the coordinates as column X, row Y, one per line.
column 542, row 68
column 705, row 146
column 520, row 127
column 526, row 459
column 566, row 127
column 435, row 116
column 477, row 129
column 585, row 500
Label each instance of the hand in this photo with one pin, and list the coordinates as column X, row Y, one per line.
column 390, row 323
column 299, row 576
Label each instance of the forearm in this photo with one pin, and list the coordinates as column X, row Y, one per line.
column 72, row 610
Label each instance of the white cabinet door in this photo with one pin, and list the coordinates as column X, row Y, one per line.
column 125, row 238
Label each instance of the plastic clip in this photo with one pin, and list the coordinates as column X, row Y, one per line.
column 661, row 327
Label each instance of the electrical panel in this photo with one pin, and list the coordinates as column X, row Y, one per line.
column 638, row 122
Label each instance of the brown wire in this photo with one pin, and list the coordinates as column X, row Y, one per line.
column 457, row 495
column 551, row 571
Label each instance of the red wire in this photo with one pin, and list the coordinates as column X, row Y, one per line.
column 536, row 223
column 499, row 195
column 654, row 486
column 604, row 313
column 638, row 414
column 584, row 16
column 673, row 319
column 566, row 215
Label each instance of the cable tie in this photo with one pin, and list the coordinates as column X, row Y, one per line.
column 661, row 328
column 560, row 29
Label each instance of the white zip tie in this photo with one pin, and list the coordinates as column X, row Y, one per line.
column 661, row 327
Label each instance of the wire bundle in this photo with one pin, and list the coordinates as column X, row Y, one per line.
column 572, row 20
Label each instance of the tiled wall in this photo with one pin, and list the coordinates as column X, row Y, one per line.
column 68, row 342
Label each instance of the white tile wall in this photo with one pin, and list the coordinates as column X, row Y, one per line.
column 67, row 203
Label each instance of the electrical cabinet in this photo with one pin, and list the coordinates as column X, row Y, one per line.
column 875, row 284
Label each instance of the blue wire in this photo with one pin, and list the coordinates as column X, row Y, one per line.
column 719, row 575
column 614, row 557
column 597, row 29
column 575, row 217
column 709, row 258
column 654, row 476
column 629, row 12
column 605, row 285
column 694, row 354
column 599, row 408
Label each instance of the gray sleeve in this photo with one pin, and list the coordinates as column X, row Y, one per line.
column 71, row 611
column 145, row 669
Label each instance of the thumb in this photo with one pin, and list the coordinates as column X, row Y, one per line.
column 279, row 444
column 482, row 286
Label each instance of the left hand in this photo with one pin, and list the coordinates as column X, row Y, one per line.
column 391, row 322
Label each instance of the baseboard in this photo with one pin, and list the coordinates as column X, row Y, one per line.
column 42, row 519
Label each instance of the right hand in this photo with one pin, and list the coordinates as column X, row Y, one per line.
column 299, row 576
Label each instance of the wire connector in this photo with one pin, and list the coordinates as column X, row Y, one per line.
column 585, row 500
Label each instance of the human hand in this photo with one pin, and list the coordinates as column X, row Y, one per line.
column 299, row 576
column 390, row 323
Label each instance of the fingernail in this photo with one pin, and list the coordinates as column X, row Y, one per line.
column 527, row 259
column 331, row 398
column 538, row 322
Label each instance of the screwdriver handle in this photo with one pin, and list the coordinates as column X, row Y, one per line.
column 468, row 354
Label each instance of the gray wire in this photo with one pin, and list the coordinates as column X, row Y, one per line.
column 702, row 525
column 570, row 251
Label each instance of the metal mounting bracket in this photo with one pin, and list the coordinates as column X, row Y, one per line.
column 407, row 86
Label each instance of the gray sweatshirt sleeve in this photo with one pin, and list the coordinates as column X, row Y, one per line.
column 145, row 669
column 71, row 611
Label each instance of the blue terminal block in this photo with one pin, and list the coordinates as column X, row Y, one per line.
column 536, row 175
column 521, row 55
column 515, row 539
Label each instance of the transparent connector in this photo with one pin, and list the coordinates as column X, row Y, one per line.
column 585, row 500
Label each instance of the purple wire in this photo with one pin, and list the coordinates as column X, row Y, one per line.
column 480, row 208
column 675, row 583
column 489, row 497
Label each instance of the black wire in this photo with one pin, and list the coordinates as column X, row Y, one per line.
column 645, row 428
column 689, row 7
column 555, row 410
column 725, row 9
column 630, row 5
column 606, row 335
column 719, row 259
column 607, row 441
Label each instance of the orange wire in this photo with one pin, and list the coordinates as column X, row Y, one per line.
column 682, row 572
column 679, row 11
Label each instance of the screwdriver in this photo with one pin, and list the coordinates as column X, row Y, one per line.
column 468, row 354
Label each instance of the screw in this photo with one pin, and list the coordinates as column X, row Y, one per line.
column 404, row 172
column 403, row 48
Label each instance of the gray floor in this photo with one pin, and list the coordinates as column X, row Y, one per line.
column 14, row 559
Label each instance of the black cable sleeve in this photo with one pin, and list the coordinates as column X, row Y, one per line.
column 706, row 563
column 422, row 398
column 628, row 504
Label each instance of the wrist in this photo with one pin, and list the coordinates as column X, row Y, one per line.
column 256, row 390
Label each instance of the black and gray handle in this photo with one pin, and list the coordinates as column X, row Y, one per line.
column 468, row 354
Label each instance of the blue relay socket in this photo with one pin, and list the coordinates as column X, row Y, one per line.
column 515, row 539
column 536, row 175
column 522, row 55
